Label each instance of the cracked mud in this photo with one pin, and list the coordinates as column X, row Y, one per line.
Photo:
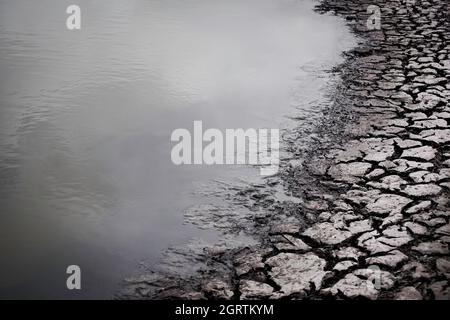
column 372, row 197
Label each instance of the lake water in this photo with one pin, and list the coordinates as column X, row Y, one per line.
column 86, row 118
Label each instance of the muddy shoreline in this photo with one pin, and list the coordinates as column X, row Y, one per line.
column 372, row 219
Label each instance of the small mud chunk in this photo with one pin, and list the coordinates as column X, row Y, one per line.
column 365, row 283
column 326, row 233
column 253, row 290
column 408, row 293
column 433, row 248
column 295, row 273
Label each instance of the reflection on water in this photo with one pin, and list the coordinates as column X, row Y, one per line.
column 86, row 118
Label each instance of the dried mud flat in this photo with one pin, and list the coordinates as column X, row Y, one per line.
column 372, row 216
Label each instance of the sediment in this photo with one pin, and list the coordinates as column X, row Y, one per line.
column 372, row 221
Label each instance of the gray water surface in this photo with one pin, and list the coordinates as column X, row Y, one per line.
column 86, row 118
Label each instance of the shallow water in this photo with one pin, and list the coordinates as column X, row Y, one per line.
column 86, row 118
